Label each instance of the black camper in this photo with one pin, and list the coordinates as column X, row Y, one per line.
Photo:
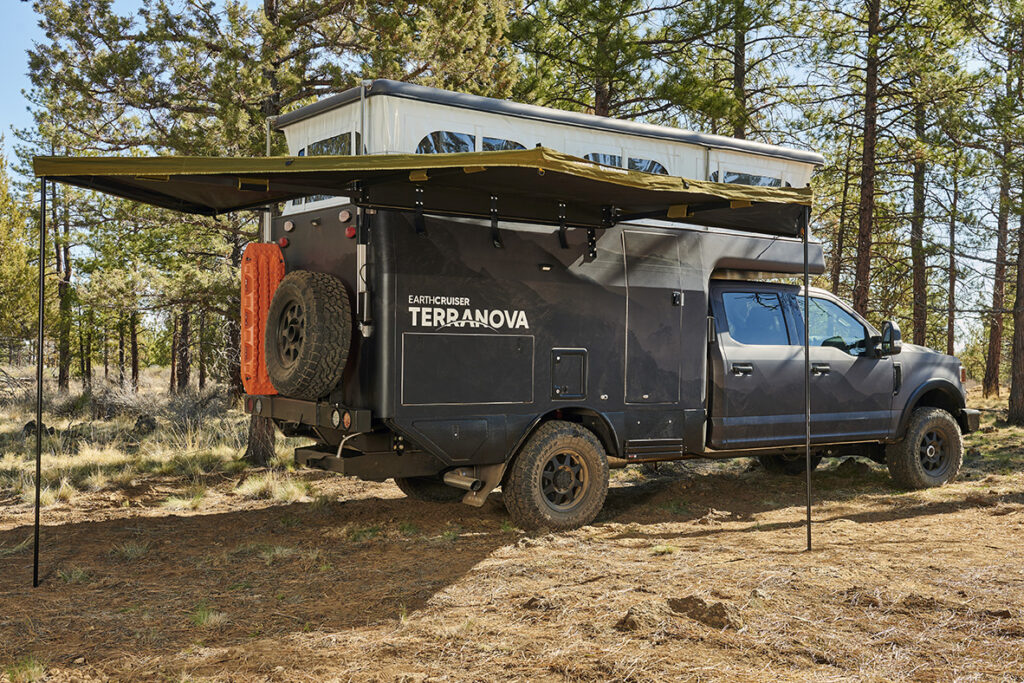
column 454, row 364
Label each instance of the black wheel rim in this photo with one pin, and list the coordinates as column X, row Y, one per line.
column 934, row 452
column 564, row 480
column 291, row 333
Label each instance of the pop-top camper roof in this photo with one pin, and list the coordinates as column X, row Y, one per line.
column 389, row 117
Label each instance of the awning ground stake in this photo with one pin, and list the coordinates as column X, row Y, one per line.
column 39, row 375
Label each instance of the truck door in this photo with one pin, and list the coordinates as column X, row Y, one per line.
column 756, row 368
column 851, row 390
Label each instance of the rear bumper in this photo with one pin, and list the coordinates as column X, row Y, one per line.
column 322, row 414
column 970, row 420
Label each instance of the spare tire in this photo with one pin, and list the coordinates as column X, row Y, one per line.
column 309, row 331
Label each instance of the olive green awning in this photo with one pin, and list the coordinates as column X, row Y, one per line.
column 533, row 185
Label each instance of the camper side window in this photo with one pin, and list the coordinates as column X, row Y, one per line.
column 499, row 145
column 606, row 159
column 446, row 142
column 747, row 179
column 647, row 166
column 755, row 318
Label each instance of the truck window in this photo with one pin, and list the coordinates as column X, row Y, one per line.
column 446, row 142
column 831, row 326
column 755, row 318
column 647, row 166
column 499, row 145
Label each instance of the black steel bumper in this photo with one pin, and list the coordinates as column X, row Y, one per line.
column 314, row 413
column 970, row 420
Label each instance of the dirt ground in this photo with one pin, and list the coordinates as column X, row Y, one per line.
column 696, row 572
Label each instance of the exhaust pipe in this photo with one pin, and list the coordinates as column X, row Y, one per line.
column 461, row 481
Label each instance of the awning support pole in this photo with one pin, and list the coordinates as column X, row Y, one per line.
column 805, row 220
column 39, row 375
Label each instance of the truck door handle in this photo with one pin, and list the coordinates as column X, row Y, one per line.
column 742, row 368
column 820, row 368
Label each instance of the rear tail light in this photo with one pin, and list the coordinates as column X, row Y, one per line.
column 963, row 374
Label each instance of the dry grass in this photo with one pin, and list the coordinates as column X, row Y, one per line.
column 300, row 575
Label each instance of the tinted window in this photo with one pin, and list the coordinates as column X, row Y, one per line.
column 446, row 142
column 747, row 179
column 499, row 145
column 833, row 326
column 606, row 159
column 337, row 145
column 647, row 166
column 755, row 318
column 332, row 146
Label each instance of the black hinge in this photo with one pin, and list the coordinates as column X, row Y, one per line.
column 711, row 329
column 897, row 377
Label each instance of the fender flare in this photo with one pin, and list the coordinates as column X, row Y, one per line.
column 943, row 385
column 610, row 439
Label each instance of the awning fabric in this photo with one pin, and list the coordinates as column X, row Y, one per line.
column 533, row 185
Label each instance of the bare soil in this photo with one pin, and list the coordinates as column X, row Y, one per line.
column 696, row 572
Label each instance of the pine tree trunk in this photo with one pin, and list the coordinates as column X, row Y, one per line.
column 951, row 274
column 120, row 351
column 866, row 208
column 200, row 346
column 81, row 350
column 184, row 351
column 259, row 452
column 920, row 280
column 739, row 69
column 1015, row 415
column 993, row 361
column 106, row 357
column 133, row 329
column 837, row 251
column 174, row 354
column 88, row 351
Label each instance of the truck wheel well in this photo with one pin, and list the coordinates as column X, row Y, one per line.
column 591, row 419
column 939, row 398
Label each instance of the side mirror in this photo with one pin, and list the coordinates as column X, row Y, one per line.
column 891, row 342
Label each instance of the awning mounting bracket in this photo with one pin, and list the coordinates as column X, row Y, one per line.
column 495, row 232
column 563, row 238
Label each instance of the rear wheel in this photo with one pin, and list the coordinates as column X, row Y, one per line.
column 930, row 453
column 559, row 479
column 429, row 489
column 309, row 329
column 790, row 464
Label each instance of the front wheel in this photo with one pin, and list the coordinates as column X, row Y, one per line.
column 559, row 480
column 930, row 453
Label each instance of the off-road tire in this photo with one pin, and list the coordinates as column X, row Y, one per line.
column 560, row 456
column 790, row 465
column 909, row 461
column 429, row 489
column 308, row 333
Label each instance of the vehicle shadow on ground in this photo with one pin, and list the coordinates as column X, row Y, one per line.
column 730, row 496
column 163, row 584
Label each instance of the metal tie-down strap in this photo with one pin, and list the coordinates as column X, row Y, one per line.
column 495, row 233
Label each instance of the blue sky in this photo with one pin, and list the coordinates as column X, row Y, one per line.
column 19, row 29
